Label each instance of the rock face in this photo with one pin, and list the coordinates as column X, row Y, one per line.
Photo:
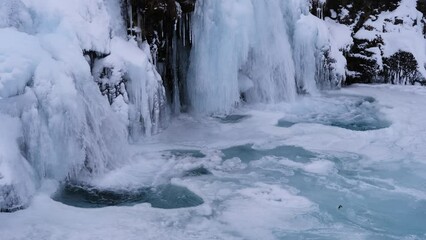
column 388, row 39
column 166, row 26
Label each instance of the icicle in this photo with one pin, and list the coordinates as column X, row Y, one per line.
column 130, row 13
column 176, row 94
column 320, row 8
column 184, row 31
column 235, row 41
column 190, row 28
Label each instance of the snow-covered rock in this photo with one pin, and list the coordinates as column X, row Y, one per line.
column 382, row 32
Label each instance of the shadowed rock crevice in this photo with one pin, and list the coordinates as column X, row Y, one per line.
column 166, row 26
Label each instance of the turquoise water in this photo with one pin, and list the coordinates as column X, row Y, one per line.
column 248, row 153
column 349, row 112
column 354, row 195
column 233, row 118
column 165, row 196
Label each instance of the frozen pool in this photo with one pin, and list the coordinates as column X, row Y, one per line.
column 252, row 179
column 356, row 113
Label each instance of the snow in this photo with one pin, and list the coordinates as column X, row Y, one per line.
column 375, row 175
column 407, row 36
column 66, row 128
column 57, row 126
column 145, row 94
column 340, row 41
column 14, row 192
column 311, row 40
column 15, row 14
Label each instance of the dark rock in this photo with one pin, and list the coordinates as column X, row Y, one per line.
column 167, row 29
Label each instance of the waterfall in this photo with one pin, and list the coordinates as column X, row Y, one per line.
column 253, row 50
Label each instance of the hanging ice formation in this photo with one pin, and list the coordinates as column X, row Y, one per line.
column 166, row 26
column 55, row 122
column 256, row 50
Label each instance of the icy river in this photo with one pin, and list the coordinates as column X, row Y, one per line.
column 347, row 164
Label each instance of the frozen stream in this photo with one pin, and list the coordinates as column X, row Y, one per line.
column 349, row 164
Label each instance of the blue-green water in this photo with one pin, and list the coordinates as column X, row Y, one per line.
column 354, row 194
column 353, row 113
column 164, row 196
column 234, row 118
column 248, row 153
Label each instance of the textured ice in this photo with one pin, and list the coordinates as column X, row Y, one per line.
column 62, row 126
column 240, row 45
column 259, row 51
column 354, row 113
column 281, row 193
column 144, row 95
column 187, row 153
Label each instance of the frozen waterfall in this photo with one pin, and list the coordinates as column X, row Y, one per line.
column 75, row 88
column 55, row 122
column 254, row 50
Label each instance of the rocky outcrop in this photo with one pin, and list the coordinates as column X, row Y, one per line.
column 379, row 29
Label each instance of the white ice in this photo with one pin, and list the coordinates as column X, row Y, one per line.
column 58, row 123
column 259, row 49
column 376, row 176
